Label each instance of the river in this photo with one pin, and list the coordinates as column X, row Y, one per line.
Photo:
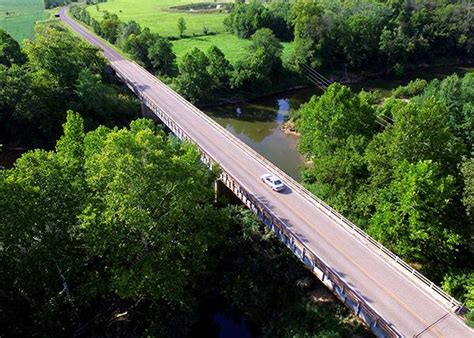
column 258, row 123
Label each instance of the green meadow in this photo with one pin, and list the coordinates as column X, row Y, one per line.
column 157, row 15
column 18, row 17
column 233, row 47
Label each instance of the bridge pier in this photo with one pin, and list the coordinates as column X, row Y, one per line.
column 223, row 194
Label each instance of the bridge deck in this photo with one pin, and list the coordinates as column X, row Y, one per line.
column 401, row 300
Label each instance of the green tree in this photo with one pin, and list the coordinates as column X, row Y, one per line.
column 155, row 236
column 110, row 27
column 360, row 33
column 138, row 46
column 61, row 73
column 396, row 47
column 461, row 286
column 220, row 69
column 14, row 84
column 307, row 17
column 194, row 81
column 252, row 72
column 162, row 57
column 127, row 29
column 420, row 131
column 181, row 26
column 335, row 131
column 261, row 64
column 41, row 254
column 10, row 52
column 110, row 220
column 70, row 147
column 101, row 103
column 63, row 56
column 375, row 34
column 409, row 213
column 468, row 173
column 457, row 95
column 90, row 90
column 266, row 40
column 245, row 19
column 467, row 170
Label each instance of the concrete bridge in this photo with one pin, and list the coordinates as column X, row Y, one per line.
column 393, row 299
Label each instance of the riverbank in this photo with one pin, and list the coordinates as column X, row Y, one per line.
column 378, row 81
column 260, row 122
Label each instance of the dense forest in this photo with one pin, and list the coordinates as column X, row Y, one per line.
column 375, row 34
column 48, row 4
column 401, row 168
column 115, row 230
column 54, row 73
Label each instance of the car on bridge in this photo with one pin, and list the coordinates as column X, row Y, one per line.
column 273, row 182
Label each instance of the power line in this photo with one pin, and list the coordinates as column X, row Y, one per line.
column 317, row 75
column 322, row 82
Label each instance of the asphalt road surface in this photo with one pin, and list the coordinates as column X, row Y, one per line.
column 401, row 300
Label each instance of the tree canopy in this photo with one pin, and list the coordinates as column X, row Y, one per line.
column 376, row 34
column 59, row 72
column 122, row 213
column 10, row 51
column 335, row 131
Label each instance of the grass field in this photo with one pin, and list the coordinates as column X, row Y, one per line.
column 18, row 17
column 233, row 47
column 155, row 14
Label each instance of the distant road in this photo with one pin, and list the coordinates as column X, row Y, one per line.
column 400, row 299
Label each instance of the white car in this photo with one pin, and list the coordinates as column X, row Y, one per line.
column 273, row 182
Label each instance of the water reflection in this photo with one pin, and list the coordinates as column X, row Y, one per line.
column 258, row 125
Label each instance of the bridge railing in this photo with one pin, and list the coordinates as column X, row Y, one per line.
column 317, row 202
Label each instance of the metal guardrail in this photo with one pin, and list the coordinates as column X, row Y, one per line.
column 321, row 205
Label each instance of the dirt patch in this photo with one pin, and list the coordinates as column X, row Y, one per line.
column 289, row 128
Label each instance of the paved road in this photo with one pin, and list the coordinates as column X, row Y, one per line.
column 401, row 300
